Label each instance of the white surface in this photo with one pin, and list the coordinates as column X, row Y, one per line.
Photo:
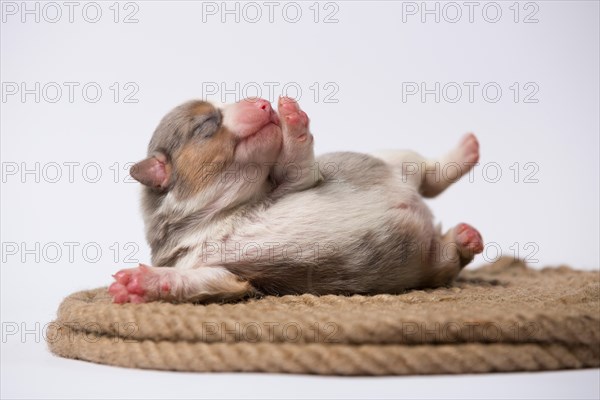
column 171, row 55
column 43, row 376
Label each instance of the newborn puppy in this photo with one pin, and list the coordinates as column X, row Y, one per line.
column 235, row 204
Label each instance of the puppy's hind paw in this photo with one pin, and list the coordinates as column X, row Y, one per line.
column 468, row 240
column 468, row 149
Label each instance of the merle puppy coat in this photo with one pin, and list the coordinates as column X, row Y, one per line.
column 235, row 203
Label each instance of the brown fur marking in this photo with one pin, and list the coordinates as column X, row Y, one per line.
column 199, row 166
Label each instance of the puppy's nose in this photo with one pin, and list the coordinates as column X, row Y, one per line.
column 263, row 105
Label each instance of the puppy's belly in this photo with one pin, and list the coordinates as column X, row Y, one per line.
column 353, row 234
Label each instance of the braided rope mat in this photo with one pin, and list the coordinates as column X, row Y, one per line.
column 501, row 317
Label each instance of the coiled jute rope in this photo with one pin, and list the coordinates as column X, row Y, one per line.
column 501, row 317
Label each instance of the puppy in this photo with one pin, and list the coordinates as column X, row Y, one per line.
column 236, row 204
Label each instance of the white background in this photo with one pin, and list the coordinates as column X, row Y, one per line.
column 365, row 62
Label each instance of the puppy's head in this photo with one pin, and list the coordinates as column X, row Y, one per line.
column 200, row 147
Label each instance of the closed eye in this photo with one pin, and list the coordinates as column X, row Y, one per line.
column 206, row 126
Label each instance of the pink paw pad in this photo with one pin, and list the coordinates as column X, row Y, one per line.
column 469, row 147
column 295, row 120
column 130, row 285
column 469, row 238
column 287, row 105
column 290, row 111
column 297, row 125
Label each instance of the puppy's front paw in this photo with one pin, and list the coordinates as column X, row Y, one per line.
column 294, row 121
column 294, row 168
column 139, row 285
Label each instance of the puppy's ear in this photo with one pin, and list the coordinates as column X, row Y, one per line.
column 153, row 172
